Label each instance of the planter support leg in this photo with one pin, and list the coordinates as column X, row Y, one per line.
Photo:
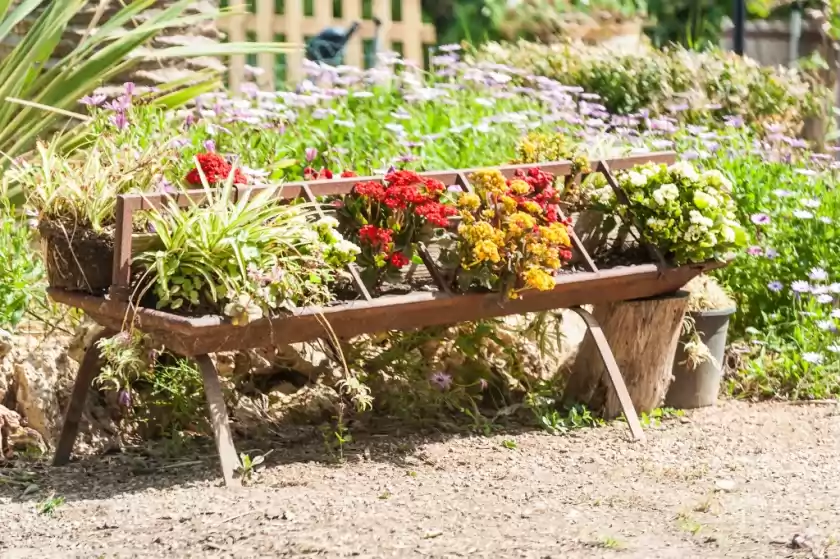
column 90, row 367
column 615, row 374
column 219, row 420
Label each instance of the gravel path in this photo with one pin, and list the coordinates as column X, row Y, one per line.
column 747, row 481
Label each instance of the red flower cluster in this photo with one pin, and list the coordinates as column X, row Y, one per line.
column 398, row 260
column 311, row 174
column 542, row 192
column 375, row 236
column 216, row 170
column 408, row 190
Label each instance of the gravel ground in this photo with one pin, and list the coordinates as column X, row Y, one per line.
column 747, row 481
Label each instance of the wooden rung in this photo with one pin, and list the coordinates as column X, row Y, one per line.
column 464, row 182
column 352, row 268
column 590, row 263
column 438, row 278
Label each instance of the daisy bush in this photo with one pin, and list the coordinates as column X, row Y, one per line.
column 688, row 214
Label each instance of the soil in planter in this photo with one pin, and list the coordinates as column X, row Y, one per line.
column 77, row 258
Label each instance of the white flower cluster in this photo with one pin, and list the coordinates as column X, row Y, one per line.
column 337, row 251
column 688, row 214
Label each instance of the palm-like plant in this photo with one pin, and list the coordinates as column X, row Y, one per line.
column 41, row 70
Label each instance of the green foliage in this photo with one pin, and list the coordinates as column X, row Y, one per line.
column 250, row 258
column 28, row 74
column 21, row 275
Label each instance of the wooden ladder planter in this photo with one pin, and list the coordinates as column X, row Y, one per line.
column 197, row 337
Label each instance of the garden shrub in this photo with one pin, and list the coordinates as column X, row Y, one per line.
column 696, row 87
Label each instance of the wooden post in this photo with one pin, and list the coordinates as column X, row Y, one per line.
column 352, row 11
column 228, row 459
column 90, row 367
column 293, row 18
column 643, row 336
column 265, row 34
column 236, row 34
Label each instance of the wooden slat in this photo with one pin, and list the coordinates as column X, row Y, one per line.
column 197, row 335
column 292, row 25
column 308, row 26
column 412, row 23
column 236, row 26
column 323, row 15
column 352, row 11
column 265, row 17
column 382, row 10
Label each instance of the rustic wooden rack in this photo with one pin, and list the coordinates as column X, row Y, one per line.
column 197, row 337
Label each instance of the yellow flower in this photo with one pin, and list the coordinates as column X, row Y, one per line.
column 552, row 259
column 538, row 278
column 532, row 207
column 520, row 187
column 508, row 203
column 475, row 232
column 520, row 223
column 555, row 234
column 536, row 250
column 469, row 201
column 490, row 180
column 468, row 217
column 488, row 213
column 486, row 250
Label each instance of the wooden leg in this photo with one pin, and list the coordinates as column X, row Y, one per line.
column 91, row 364
column 219, row 419
column 614, row 373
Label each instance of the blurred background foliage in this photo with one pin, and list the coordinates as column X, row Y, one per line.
column 696, row 24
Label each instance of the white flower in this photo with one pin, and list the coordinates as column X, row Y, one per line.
column 666, row 192
column 728, row 234
column 346, row 246
column 834, row 348
column 685, row 170
column 803, row 214
column 716, row 178
column 700, row 220
column 637, row 179
column 328, row 221
column 818, row 274
column 811, row 357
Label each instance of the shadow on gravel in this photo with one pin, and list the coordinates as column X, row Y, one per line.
column 161, row 464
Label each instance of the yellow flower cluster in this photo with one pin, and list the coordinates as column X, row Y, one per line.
column 505, row 231
column 537, row 278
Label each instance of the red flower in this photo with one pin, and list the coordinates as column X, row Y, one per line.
column 435, row 213
column 348, row 174
column 310, row 174
column 375, row 236
column 370, row 189
column 216, row 170
column 398, row 260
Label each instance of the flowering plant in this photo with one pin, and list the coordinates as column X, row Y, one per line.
column 387, row 219
column 216, row 170
column 248, row 259
column 688, row 215
column 512, row 237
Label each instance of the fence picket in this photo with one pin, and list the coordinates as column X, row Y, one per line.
column 266, row 25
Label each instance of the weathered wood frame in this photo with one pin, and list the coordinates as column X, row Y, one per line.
column 196, row 337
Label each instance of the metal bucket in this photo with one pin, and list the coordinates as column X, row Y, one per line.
column 697, row 387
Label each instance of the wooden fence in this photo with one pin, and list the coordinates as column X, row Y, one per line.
column 296, row 21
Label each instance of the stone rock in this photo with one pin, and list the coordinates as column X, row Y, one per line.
column 37, row 377
column 16, row 436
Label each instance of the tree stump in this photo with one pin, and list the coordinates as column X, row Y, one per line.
column 643, row 335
